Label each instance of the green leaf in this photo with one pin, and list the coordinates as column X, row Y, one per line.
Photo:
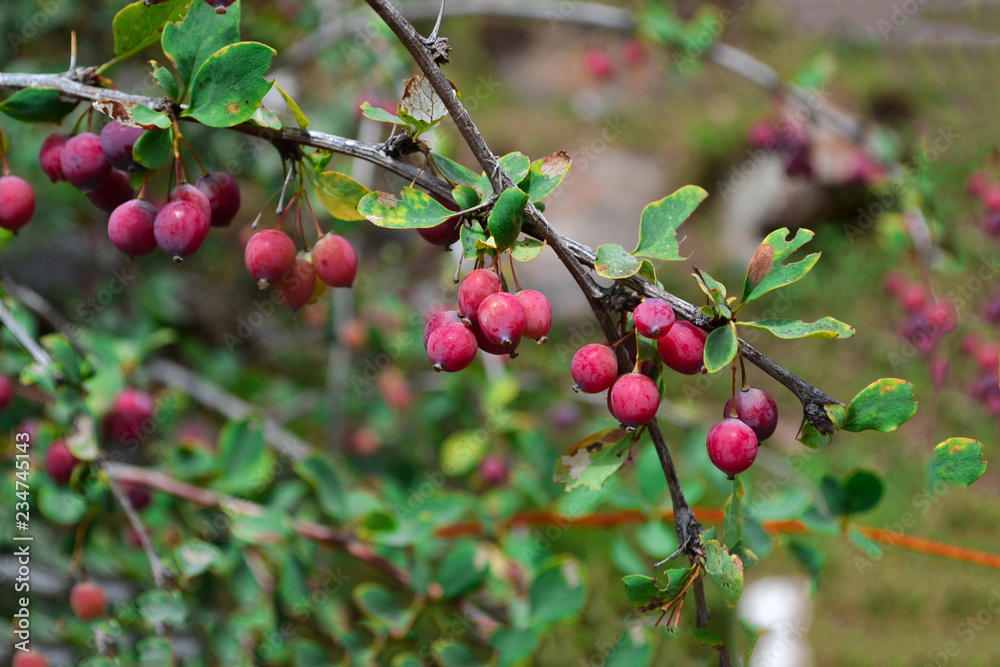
column 466, row 196
column 823, row 328
column 64, row 355
column 268, row 528
column 648, row 271
column 462, row 451
column 592, row 460
column 506, row 217
column 613, row 261
column 319, row 471
column 61, row 505
column 633, row 649
column 454, row 172
column 862, row 491
column 155, row 652
column 725, row 571
column 558, row 592
column 149, row 119
column 293, row 589
column 137, row 26
column 191, row 42
column 526, row 249
column 546, row 175
column 720, row 348
column 515, row 164
column 414, row 210
column 645, row 593
column 339, row 194
column 753, row 635
column 244, row 458
column 195, row 557
column 162, row 607
column 833, row 495
column 300, row 117
column 228, row 87
column 381, row 115
column 812, row 438
column 766, row 271
column 264, row 117
column 462, row 570
column 152, row 148
column 883, row 406
column 165, row 78
column 514, row 645
column 473, row 241
column 404, row 660
column 956, row 461
column 715, row 291
column 733, row 521
column 36, row 105
column 380, row 606
column 810, row 557
column 748, row 557
column 708, row 637
column 660, row 220
column 449, row 653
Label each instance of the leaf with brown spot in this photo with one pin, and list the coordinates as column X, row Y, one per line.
column 591, row 461
column 767, row 272
column 761, row 264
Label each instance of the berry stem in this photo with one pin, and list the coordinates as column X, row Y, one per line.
column 284, row 188
column 513, row 273
column 732, row 405
column 145, row 182
column 204, row 172
column 284, row 213
column 3, row 153
column 458, row 271
column 319, row 230
column 298, row 221
column 743, row 370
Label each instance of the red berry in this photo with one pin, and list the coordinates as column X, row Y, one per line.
column 451, row 347
column 475, row 287
column 502, row 318
column 991, row 197
column 83, row 162
column 49, row 156
column 223, row 194
column 913, row 297
column 683, row 348
column 653, row 318
column 298, row 285
column 976, row 183
column 594, row 368
column 138, row 495
column 130, row 228
column 538, row 312
column 269, row 255
column 117, row 141
column 444, row 318
column 6, row 391
column 598, row 64
column 334, row 261
column 87, row 600
column 220, row 5
column 130, row 411
column 445, row 233
column 732, row 446
column 988, row 357
column 180, row 229
column 493, row 470
column 756, row 409
column 29, row 659
column 192, row 195
column 634, row 399
column 17, row 202
column 490, row 346
column 762, row 134
column 365, row 441
column 634, row 52
column 114, row 192
column 893, row 282
column 59, row 462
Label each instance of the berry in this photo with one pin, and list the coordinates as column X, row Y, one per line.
column 130, row 228
column 894, row 281
column 334, row 261
column 365, row 441
column 594, row 368
column 114, row 192
column 634, row 52
column 732, row 446
column 634, row 399
column 991, row 223
column 297, row 286
column 269, row 255
column 976, row 183
column 502, row 318
column 492, row 347
column 17, row 202
column 598, row 64
column 6, row 391
column 761, row 134
column 138, row 495
column 451, row 347
column 445, row 317
column 913, row 297
column 87, row 600
column 988, row 357
column 653, row 318
column 493, row 470
column 130, row 410
column 476, row 286
column 29, row 659
column 394, row 390
column 49, row 156
column 756, row 409
column 539, row 314
column 445, row 233
column 180, row 229
column 223, row 195
column 83, row 162
column 683, row 348
column 59, row 462
column 991, row 197
column 220, row 5
column 192, row 195
column 117, row 141
column 354, row 334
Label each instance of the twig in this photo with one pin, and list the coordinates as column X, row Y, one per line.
column 29, row 343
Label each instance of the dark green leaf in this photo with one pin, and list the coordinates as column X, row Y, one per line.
column 515, row 164
column 189, row 44
column 884, row 406
column 61, row 505
column 862, row 491
column 708, row 637
column 167, row 81
column 293, row 589
column 833, row 494
column 720, row 348
column 414, row 210
column 812, row 438
column 454, row 172
column 36, row 105
column 660, row 220
column 558, row 592
column 65, row 357
column 633, row 649
column 153, row 147
column 162, row 607
column 230, row 84
column 766, row 271
column 381, row 115
column 506, row 217
column 613, row 261
column 592, row 460
column 823, row 328
column 462, row 570
column 452, row 654
column 155, row 652
column 340, row 194
column 733, row 521
column 473, row 241
column 514, row 645
column 318, row 470
column 747, row 556
column 648, row 271
column 380, row 606
column 244, row 458
column 137, row 26
column 466, row 196
column 956, row 461
column 725, row 571
column 546, row 175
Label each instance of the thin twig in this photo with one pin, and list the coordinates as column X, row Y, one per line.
column 26, row 340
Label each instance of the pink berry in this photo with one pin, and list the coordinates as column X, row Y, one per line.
column 683, row 348
column 269, row 255
column 49, row 156
column 6, row 391
column 634, row 399
column 539, row 314
column 762, row 134
column 988, row 357
column 493, row 470
column 114, row 192
column 130, row 412
column 594, row 368
column 732, row 446
column 180, row 229
column 220, row 5
column 17, row 202
column 59, row 462
column 451, row 347
column 334, row 261
column 976, row 183
column 130, row 228
column 445, row 233
column 88, row 600
column 223, row 193
column 913, row 297
column 756, row 409
column 475, row 287
column 297, row 286
column 489, row 346
column 117, row 141
column 598, row 64
column 634, row 52
column 653, row 318
column 83, row 162
column 893, row 283
column 29, row 659
column 444, row 318
column 192, row 195
column 991, row 197
column 502, row 318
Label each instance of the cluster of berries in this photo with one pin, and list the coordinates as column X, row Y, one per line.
column 926, row 320
column 985, row 386
column 487, row 319
column 634, row 398
column 980, row 186
column 787, row 136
